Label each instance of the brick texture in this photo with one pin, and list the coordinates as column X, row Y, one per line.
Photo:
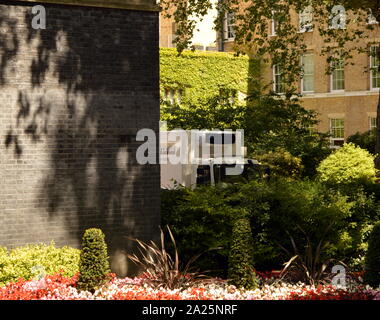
column 72, row 98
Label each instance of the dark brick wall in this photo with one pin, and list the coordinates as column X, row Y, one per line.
column 72, row 98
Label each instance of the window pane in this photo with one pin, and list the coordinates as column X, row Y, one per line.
column 306, row 19
column 337, row 128
column 278, row 80
column 230, row 30
column 308, row 83
column 375, row 74
column 308, row 72
column 275, row 23
column 338, row 82
column 372, row 123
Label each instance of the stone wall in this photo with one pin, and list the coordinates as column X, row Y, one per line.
column 72, row 98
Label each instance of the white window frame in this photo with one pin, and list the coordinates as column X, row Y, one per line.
column 336, row 139
column 305, row 20
column 228, row 27
column 372, row 72
column 332, row 79
column 313, row 74
column 338, row 12
column 275, row 82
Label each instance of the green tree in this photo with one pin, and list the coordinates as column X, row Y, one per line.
column 216, row 113
column 347, row 165
column 273, row 124
column 282, row 163
column 93, row 264
column 366, row 140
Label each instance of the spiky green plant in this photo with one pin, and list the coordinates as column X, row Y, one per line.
column 163, row 270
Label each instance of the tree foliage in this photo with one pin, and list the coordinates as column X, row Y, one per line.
column 215, row 113
column 282, row 163
column 366, row 140
column 305, row 210
column 347, row 165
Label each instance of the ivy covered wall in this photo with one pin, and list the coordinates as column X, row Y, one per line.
column 197, row 76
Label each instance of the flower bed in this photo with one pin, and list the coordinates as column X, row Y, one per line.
column 58, row 287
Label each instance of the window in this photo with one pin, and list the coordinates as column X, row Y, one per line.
column 307, row 81
column 173, row 95
column 337, row 132
column 229, row 27
column 275, row 23
column 375, row 73
column 371, row 18
column 278, row 81
column 337, row 75
column 306, row 19
column 372, row 123
column 172, row 37
column 338, row 17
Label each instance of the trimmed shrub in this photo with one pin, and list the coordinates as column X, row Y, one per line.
column 349, row 164
column 372, row 259
column 32, row 261
column 240, row 262
column 93, row 266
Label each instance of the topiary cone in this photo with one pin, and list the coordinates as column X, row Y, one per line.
column 94, row 265
column 240, row 261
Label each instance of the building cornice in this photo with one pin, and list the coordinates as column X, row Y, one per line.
column 143, row 5
column 374, row 92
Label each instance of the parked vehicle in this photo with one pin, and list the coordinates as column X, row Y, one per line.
column 206, row 160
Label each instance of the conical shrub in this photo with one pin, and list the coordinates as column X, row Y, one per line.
column 240, row 262
column 372, row 259
column 93, row 265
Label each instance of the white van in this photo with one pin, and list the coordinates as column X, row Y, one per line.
column 204, row 166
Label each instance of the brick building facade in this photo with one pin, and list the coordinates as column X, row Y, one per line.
column 345, row 109
column 72, row 97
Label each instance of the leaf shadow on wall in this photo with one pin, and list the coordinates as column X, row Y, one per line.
column 83, row 101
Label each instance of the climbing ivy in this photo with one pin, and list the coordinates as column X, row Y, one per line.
column 200, row 76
